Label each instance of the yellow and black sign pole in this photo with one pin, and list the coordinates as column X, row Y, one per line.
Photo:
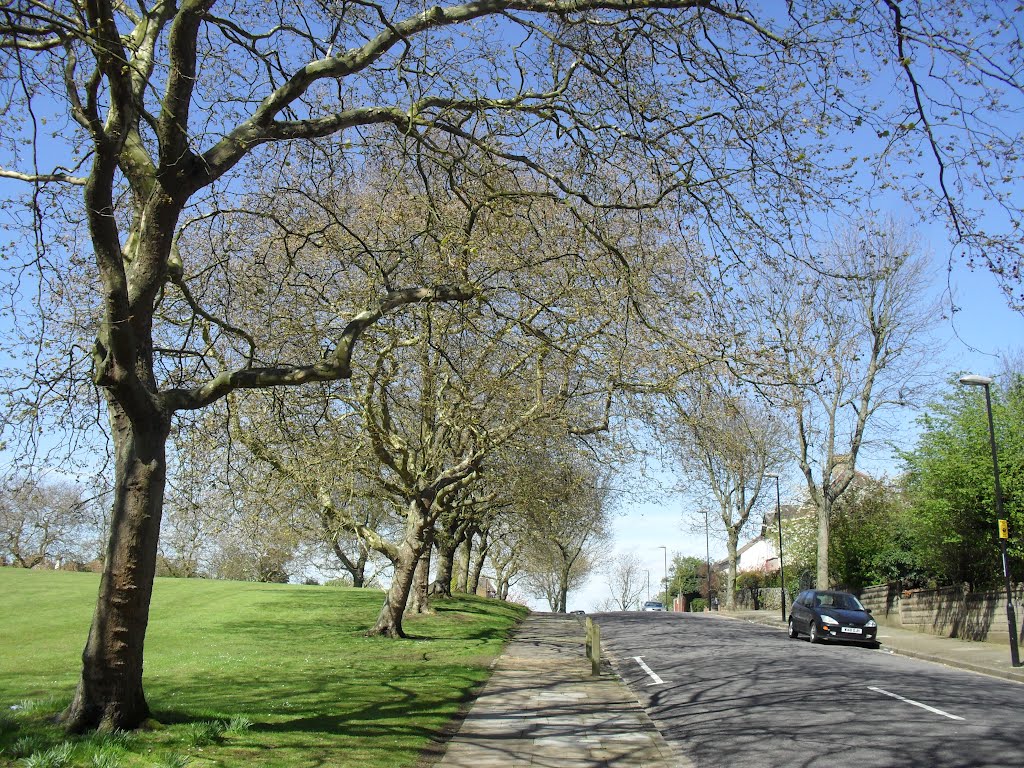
column 1004, row 529
column 1004, row 534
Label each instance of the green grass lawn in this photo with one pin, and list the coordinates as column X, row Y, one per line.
column 245, row 674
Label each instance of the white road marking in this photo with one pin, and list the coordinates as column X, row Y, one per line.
column 657, row 680
column 915, row 703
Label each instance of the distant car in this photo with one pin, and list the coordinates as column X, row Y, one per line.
column 578, row 612
column 653, row 605
column 824, row 614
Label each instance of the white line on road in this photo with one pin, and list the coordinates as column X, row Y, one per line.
column 915, row 703
column 657, row 680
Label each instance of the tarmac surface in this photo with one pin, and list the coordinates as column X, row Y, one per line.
column 543, row 707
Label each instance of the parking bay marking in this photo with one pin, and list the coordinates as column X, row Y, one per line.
column 915, row 703
column 653, row 675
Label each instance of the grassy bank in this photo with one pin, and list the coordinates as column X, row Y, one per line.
column 245, row 674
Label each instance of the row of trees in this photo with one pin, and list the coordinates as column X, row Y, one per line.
column 236, row 531
column 386, row 250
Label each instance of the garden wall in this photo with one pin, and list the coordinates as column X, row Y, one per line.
column 760, row 599
column 948, row 612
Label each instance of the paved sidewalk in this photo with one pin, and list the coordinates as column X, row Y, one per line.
column 542, row 707
column 987, row 658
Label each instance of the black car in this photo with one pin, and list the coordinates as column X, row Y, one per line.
column 824, row 614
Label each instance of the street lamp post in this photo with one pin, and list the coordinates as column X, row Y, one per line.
column 664, row 551
column 707, row 545
column 1011, row 616
column 782, row 575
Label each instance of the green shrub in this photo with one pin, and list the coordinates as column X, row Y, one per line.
column 698, row 604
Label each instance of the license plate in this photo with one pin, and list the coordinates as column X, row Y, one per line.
column 853, row 630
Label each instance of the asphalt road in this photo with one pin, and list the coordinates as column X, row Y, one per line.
column 731, row 693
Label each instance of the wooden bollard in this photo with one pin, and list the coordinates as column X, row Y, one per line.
column 594, row 646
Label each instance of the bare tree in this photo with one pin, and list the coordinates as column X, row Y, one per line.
column 725, row 440
column 41, row 522
column 852, row 341
column 627, row 580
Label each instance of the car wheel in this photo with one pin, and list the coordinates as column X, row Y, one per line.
column 813, row 636
column 793, row 634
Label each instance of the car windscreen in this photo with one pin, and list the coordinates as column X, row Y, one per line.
column 846, row 602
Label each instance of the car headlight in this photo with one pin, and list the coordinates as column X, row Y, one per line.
column 871, row 623
column 828, row 619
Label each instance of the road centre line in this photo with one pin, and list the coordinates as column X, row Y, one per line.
column 657, row 680
column 915, row 703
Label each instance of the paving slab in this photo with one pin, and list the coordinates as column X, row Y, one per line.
column 543, row 707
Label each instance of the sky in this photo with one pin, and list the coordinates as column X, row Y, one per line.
column 971, row 341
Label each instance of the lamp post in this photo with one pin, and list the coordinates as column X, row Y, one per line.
column 782, row 575
column 973, row 380
column 664, row 551
column 707, row 545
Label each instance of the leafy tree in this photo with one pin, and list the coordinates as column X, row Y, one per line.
column 507, row 556
column 872, row 539
column 565, row 523
column 688, row 576
column 951, row 485
column 799, row 547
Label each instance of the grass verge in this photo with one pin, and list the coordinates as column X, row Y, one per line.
column 245, row 674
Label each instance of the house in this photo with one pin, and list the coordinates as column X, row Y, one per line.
column 762, row 553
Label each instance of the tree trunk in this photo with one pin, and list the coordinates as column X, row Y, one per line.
column 479, row 559
column 356, row 568
column 419, row 600
column 359, row 575
column 732, row 543
column 109, row 696
column 442, row 586
column 389, row 622
column 462, row 584
column 822, row 580
column 563, row 591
